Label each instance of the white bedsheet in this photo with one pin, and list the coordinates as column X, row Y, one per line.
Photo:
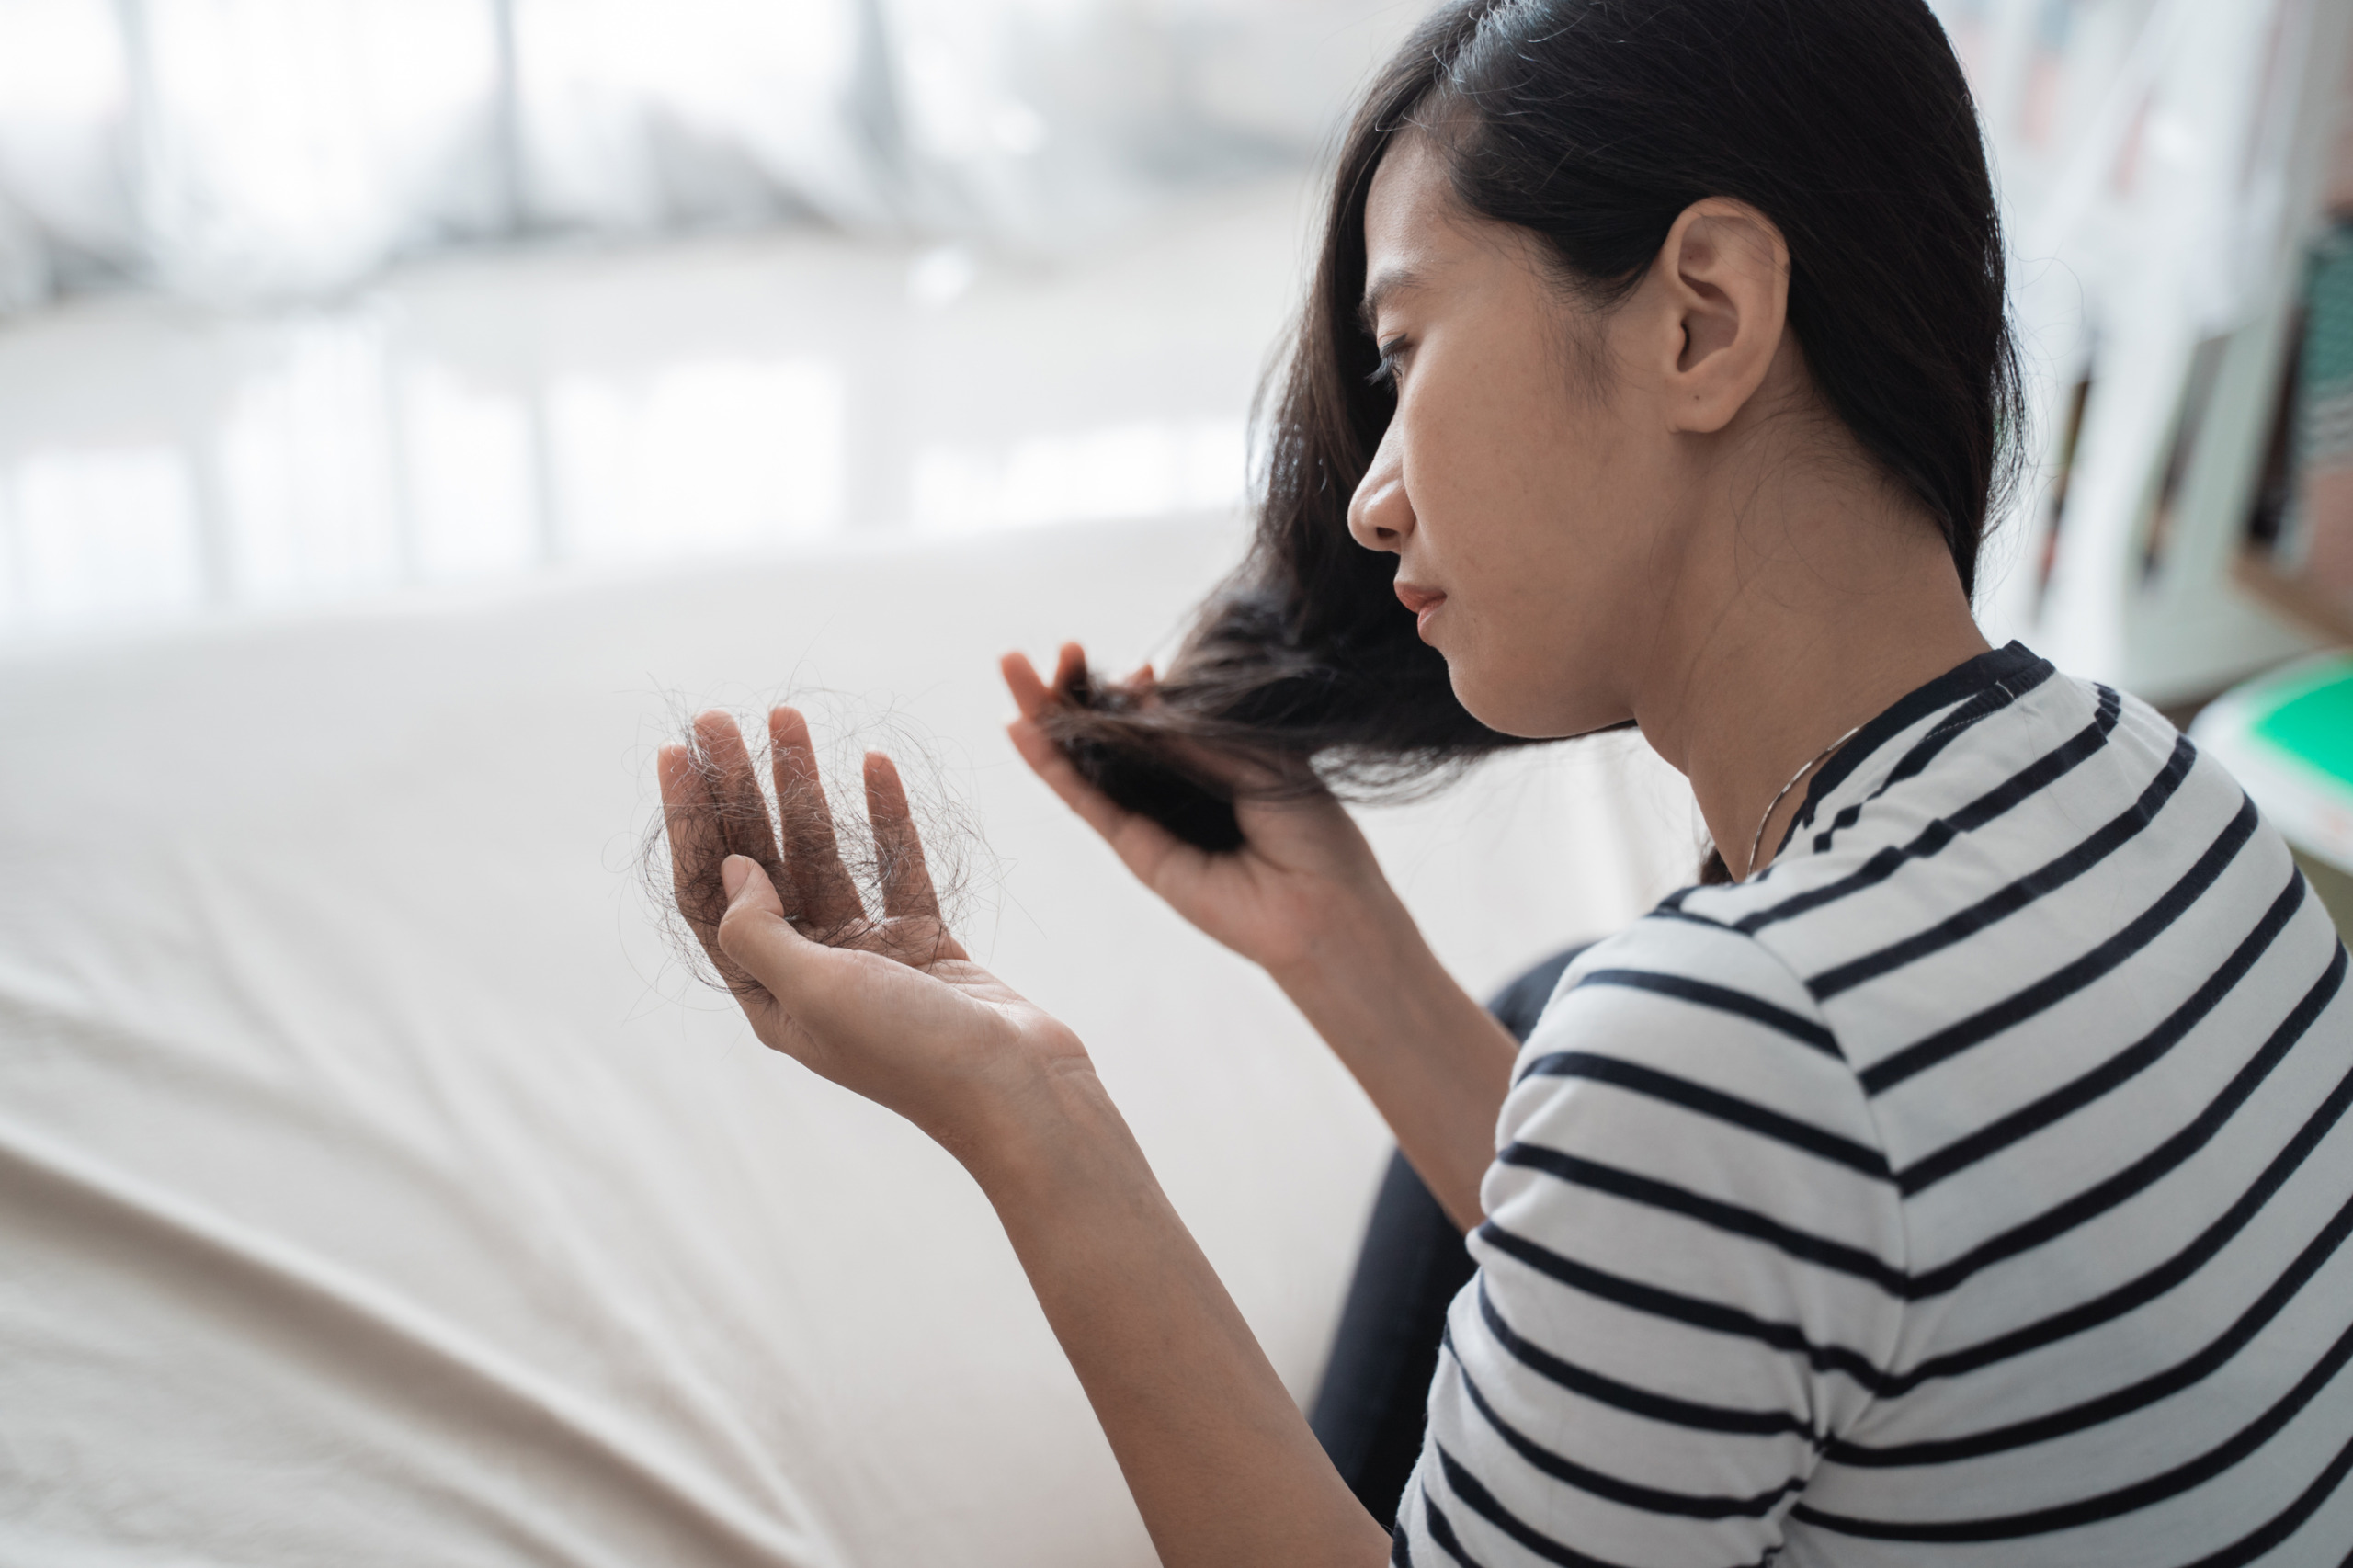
column 375, row 1189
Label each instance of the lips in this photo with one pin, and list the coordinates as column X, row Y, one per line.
column 1423, row 602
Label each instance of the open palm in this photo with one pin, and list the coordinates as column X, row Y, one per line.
column 889, row 1007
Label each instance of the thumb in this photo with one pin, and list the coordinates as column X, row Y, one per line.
column 748, row 887
column 753, row 932
column 735, row 876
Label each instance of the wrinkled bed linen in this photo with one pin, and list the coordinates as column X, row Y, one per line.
column 376, row 1187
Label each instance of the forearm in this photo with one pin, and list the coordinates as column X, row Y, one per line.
column 1222, row 1464
column 1436, row 1064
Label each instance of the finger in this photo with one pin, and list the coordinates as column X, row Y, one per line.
column 696, row 848
column 760, row 944
column 825, row 897
column 811, row 995
column 1142, row 845
column 1031, row 695
column 739, row 807
column 906, row 879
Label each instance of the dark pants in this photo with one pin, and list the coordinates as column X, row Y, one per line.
column 1370, row 1412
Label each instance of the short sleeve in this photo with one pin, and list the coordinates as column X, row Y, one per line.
column 1690, row 1274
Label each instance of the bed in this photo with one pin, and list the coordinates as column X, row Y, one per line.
column 378, row 1187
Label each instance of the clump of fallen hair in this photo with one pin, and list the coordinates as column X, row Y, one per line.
column 842, row 731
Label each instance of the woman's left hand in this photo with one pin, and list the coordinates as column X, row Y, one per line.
column 892, row 1009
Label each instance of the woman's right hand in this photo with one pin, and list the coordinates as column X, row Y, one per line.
column 1304, row 885
column 886, row 1003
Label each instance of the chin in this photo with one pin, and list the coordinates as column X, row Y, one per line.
column 1511, row 707
column 1493, row 708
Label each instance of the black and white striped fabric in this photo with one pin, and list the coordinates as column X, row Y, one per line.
column 1969, row 1187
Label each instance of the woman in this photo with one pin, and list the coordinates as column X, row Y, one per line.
column 1962, row 1178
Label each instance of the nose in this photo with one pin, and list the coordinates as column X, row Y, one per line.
column 1379, row 514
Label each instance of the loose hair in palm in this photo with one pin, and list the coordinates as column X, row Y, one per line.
column 835, row 871
column 1591, row 124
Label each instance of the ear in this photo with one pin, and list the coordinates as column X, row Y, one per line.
column 1722, row 290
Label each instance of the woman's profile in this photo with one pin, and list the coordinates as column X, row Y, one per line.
column 1960, row 1174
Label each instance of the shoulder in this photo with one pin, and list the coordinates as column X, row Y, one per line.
column 2064, row 875
column 2005, row 826
column 1677, row 975
column 1678, row 1033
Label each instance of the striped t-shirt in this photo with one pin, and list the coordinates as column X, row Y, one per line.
column 1970, row 1187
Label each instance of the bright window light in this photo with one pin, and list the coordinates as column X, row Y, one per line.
column 616, row 96
column 306, row 470
column 1151, row 468
column 474, row 493
column 697, row 458
column 299, row 141
column 63, row 59
column 104, row 535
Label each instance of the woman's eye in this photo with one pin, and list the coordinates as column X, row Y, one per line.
column 1384, row 374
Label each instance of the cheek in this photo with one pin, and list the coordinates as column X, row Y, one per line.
column 1474, row 476
column 1511, row 505
column 1500, row 435
column 1534, row 536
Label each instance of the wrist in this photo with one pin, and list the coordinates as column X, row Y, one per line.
column 1363, row 943
column 1058, row 1129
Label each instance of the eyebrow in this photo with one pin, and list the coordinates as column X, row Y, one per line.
column 1380, row 290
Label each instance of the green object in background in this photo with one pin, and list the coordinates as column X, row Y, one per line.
column 2288, row 738
column 2316, row 726
column 2324, row 374
column 2327, row 369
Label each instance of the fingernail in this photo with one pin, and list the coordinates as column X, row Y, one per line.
column 733, row 872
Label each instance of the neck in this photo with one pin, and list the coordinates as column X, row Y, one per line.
column 1806, row 607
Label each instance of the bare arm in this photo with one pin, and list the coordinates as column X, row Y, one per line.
column 1434, row 1061
column 1305, row 898
column 1220, row 1462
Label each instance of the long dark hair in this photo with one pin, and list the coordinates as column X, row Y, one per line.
column 1591, row 124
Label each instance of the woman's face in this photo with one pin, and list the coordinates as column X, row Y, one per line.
column 1529, row 481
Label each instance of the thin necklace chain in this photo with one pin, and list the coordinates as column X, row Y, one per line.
column 1819, row 759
